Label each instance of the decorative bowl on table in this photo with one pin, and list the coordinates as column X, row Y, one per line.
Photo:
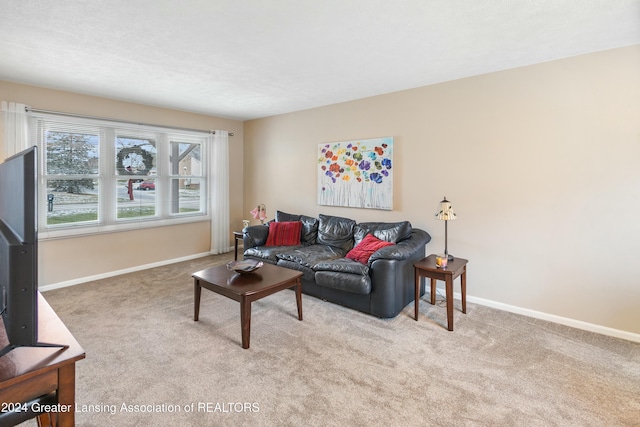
column 244, row 266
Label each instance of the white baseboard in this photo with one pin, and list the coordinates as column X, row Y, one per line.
column 118, row 272
column 578, row 324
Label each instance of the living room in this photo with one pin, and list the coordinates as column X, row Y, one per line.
column 539, row 162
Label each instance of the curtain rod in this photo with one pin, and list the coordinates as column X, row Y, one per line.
column 58, row 113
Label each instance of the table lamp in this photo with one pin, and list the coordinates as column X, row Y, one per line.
column 259, row 212
column 445, row 213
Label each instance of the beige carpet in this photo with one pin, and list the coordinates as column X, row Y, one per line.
column 338, row 367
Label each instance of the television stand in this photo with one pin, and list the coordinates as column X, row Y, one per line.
column 29, row 373
column 10, row 347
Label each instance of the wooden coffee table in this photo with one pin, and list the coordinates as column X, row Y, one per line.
column 246, row 288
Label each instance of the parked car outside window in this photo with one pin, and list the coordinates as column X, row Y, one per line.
column 147, row 185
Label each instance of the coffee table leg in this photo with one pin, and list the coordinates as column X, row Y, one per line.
column 197, row 290
column 299, row 298
column 449, row 292
column 245, row 321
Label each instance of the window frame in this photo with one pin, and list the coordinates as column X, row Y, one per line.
column 108, row 178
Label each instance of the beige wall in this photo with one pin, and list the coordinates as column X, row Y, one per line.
column 70, row 259
column 540, row 163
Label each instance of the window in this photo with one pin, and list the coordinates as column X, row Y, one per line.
column 135, row 165
column 72, row 171
column 102, row 176
column 186, row 176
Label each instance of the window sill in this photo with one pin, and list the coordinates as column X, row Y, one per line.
column 96, row 229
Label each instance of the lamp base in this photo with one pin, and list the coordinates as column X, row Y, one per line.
column 449, row 257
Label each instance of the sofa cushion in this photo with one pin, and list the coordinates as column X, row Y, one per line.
column 363, row 251
column 267, row 253
column 353, row 283
column 284, row 217
column 307, row 273
column 387, row 231
column 336, row 231
column 309, row 256
column 309, row 232
column 284, row 233
column 342, row 265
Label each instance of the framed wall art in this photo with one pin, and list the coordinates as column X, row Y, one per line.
column 357, row 174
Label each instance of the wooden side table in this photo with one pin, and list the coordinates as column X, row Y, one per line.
column 237, row 235
column 427, row 268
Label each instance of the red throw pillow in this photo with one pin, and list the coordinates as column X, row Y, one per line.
column 366, row 248
column 284, row 233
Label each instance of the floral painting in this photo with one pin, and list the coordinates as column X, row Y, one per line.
column 356, row 174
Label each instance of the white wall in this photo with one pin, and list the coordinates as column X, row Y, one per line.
column 541, row 164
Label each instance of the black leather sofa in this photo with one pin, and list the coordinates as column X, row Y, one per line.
column 382, row 287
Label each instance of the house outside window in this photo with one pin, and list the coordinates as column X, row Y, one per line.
column 100, row 176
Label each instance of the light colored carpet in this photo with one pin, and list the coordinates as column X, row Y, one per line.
column 337, row 367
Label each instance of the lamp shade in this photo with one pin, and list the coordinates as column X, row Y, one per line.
column 445, row 211
column 259, row 212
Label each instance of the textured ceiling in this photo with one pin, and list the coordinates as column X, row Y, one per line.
column 245, row 59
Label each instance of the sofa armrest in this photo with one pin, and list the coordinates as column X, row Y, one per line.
column 404, row 249
column 255, row 235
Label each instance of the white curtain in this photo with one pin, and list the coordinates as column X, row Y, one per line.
column 16, row 128
column 219, row 191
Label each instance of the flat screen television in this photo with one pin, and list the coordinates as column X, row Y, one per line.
column 19, row 250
